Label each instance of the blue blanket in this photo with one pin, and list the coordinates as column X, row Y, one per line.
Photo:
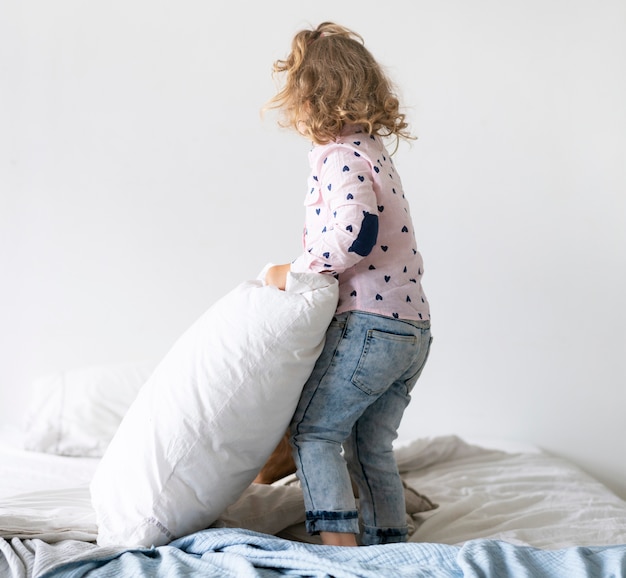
column 235, row 553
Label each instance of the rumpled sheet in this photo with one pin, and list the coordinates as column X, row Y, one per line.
column 54, row 515
column 496, row 510
column 33, row 558
column 234, row 553
column 527, row 499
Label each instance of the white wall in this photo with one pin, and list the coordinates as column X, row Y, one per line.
column 138, row 184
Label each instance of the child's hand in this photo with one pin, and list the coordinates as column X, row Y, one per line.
column 277, row 275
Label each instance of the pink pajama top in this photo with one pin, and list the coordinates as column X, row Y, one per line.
column 358, row 227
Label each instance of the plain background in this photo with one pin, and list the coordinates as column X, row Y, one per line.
column 139, row 184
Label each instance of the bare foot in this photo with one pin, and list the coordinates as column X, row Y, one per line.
column 338, row 539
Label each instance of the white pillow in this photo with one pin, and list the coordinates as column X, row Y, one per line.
column 213, row 411
column 77, row 412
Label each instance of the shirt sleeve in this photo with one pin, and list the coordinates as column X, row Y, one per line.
column 350, row 229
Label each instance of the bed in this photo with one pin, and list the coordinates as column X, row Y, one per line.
column 477, row 511
column 147, row 469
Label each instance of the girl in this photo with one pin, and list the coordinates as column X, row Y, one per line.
column 358, row 228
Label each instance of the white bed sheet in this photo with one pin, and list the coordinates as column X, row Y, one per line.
column 44, row 495
column 528, row 498
column 24, row 471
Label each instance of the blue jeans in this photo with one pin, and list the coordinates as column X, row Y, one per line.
column 354, row 400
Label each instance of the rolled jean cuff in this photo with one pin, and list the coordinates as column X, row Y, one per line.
column 346, row 521
column 374, row 536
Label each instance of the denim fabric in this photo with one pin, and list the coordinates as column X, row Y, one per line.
column 347, row 419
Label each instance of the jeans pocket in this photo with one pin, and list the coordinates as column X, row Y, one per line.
column 384, row 359
column 423, row 358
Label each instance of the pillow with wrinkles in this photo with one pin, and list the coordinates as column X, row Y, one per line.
column 212, row 412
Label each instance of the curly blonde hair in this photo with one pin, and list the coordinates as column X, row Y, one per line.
column 332, row 80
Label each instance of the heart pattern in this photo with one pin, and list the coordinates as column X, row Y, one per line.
column 357, row 168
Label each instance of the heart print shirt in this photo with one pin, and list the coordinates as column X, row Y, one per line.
column 358, row 227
